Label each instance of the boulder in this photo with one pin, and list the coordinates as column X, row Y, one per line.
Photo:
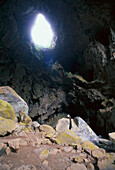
column 112, row 137
column 63, row 124
column 3, row 148
column 78, row 159
column 99, row 153
column 88, row 146
column 9, row 95
column 106, row 164
column 44, row 154
column 67, row 137
column 24, row 118
column 6, row 126
column 84, row 131
column 14, row 144
column 35, row 125
column 21, row 129
column 6, row 110
column 105, row 141
column 79, row 126
column 90, row 166
column 48, row 130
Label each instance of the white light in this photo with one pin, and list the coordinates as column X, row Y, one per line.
column 42, row 34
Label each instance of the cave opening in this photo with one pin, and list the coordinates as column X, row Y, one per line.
column 42, row 34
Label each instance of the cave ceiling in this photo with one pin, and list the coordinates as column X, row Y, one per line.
column 75, row 23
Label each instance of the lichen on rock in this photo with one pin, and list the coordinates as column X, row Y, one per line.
column 6, row 110
column 6, row 126
column 48, row 130
column 67, row 137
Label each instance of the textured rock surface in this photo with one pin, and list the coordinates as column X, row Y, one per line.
column 79, row 126
column 48, row 130
column 24, row 118
column 6, row 126
column 33, row 152
column 6, row 110
column 9, row 95
column 88, row 146
column 67, row 137
column 112, row 137
column 63, row 124
column 84, row 131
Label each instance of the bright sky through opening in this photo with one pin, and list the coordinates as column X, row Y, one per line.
column 42, row 34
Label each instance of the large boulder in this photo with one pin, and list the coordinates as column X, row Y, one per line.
column 47, row 130
column 6, row 110
column 112, row 137
column 9, row 95
column 88, row 146
column 7, row 118
column 79, row 126
column 6, row 126
column 67, row 137
column 85, row 131
column 63, row 124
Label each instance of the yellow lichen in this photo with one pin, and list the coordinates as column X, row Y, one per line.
column 49, row 131
column 67, row 137
column 6, row 110
column 24, row 118
column 89, row 145
column 6, row 125
column 45, row 152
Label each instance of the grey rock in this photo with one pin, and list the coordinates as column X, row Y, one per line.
column 35, row 125
column 112, row 137
column 84, row 131
column 79, row 126
column 9, row 95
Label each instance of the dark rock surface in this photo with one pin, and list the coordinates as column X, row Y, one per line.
column 85, row 44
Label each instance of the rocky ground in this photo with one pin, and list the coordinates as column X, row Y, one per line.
column 26, row 145
column 38, row 150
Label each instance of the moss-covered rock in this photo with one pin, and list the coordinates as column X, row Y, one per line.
column 67, row 137
column 22, row 129
column 9, row 95
column 99, row 153
column 88, row 146
column 6, row 126
column 78, row 159
column 44, row 154
column 48, row 130
column 107, row 163
column 6, row 110
column 24, row 118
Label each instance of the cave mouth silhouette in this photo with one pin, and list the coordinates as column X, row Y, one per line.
column 42, row 34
